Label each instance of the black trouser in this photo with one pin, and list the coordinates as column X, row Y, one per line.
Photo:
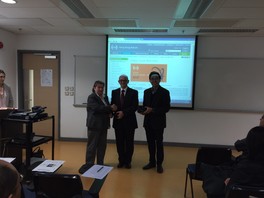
column 124, row 144
column 155, row 145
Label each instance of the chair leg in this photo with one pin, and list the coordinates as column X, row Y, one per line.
column 191, row 185
column 186, row 179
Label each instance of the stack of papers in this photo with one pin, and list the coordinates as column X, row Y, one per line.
column 8, row 159
column 49, row 166
column 97, row 171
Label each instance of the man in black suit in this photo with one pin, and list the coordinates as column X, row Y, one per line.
column 157, row 103
column 125, row 122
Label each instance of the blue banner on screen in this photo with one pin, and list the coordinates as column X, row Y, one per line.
column 136, row 57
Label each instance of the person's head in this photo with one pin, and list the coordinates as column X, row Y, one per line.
column 255, row 143
column 154, row 78
column 123, row 81
column 2, row 77
column 9, row 181
column 261, row 122
column 98, row 88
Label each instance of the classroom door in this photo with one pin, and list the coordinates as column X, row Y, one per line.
column 41, row 87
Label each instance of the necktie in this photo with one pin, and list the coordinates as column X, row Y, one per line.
column 122, row 98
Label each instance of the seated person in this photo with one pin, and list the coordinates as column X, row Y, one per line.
column 249, row 171
column 241, row 145
column 10, row 181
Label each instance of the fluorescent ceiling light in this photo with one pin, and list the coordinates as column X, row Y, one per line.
column 9, row 1
column 197, row 8
column 181, row 9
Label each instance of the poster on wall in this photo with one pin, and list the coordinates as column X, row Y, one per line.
column 46, row 77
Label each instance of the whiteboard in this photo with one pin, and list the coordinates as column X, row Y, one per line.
column 230, row 84
column 88, row 69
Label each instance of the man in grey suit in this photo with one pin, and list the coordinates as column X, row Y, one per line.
column 125, row 122
column 99, row 112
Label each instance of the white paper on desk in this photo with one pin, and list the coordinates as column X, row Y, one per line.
column 97, row 171
column 8, row 159
column 49, row 166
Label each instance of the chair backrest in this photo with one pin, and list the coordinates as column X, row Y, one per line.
column 238, row 191
column 96, row 186
column 212, row 156
column 57, row 185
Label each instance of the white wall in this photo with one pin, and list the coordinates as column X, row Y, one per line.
column 183, row 126
column 72, row 118
column 8, row 60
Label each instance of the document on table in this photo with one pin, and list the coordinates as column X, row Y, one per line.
column 49, row 166
column 97, row 171
column 8, row 159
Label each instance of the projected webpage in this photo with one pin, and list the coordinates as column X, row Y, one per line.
column 136, row 57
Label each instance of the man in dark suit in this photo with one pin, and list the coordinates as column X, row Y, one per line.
column 157, row 103
column 125, row 122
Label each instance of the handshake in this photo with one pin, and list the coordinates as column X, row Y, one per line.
column 117, row 114
column 113, row 107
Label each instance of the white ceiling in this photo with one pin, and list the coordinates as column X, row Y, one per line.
column 132, row 17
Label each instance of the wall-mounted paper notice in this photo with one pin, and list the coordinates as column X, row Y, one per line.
column 46, row 77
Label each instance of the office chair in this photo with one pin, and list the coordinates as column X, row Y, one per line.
column 64, row 185
column 206, row 155
column 238, row 191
